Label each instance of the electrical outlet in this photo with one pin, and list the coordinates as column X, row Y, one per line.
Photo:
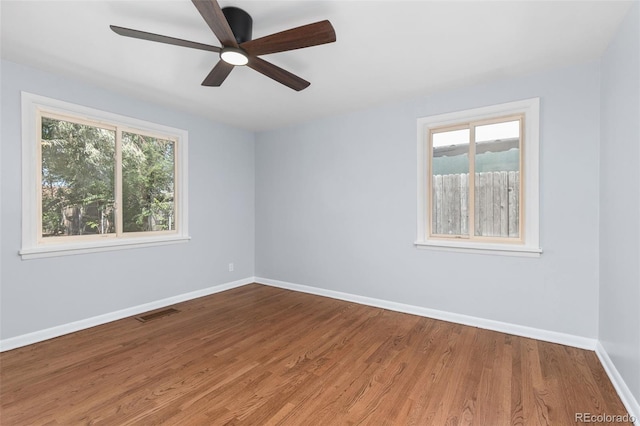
column 231, row 267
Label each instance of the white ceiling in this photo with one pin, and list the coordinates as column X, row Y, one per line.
column 385, row 50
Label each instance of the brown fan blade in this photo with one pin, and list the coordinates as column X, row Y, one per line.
column 218, row 74
column 213, row 16
column 127, row 32
column 277, row 73
column 296, row 38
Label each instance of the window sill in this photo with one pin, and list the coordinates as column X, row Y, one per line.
column 479, row 248
column 94, row 246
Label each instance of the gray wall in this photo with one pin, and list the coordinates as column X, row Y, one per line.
column 620, row 202
column 42, row 293
column 336, row 209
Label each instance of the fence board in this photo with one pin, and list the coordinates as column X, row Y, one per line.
column 513, row 186
column 436, row 225
column 501, row 220
column 464, row 204
column 484, row 193
column 497, row 204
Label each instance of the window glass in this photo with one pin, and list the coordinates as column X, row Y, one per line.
column 497, row 179
column 77, row 175
column 148, row 183
column 449, row 182
column 492, row 151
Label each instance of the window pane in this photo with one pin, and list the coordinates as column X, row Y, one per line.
column 497, row 180
column 77, row 179
column 148, row 181
column 450, row 183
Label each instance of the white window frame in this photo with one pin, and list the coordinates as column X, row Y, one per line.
column 33, row 246
column 529, row 242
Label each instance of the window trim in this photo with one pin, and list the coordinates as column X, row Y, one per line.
column 528, row 244
column 33, row 245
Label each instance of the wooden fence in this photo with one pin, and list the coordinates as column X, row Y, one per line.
column 497, row 204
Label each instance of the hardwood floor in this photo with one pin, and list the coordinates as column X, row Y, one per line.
column 258, row 355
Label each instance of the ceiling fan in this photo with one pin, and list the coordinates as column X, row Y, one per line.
column 233, row 26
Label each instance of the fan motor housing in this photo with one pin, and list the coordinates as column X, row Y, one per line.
column 240, row 22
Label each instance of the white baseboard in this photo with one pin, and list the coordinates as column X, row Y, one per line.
column 50, row 333
column 504, row 327
column 630, row 403
column 518, row 330
column 623, row 390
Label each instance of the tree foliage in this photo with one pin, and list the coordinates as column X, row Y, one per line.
column 147, row 183
column 77, row 178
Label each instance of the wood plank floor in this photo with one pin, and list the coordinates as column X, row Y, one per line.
column 258, row 355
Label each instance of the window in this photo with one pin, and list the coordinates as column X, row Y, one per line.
column 95, row 181
column 478, row 180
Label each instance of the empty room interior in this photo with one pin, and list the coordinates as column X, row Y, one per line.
column 320, row 212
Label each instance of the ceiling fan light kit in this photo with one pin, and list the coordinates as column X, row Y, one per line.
column 233, row 27
column 234, row 56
